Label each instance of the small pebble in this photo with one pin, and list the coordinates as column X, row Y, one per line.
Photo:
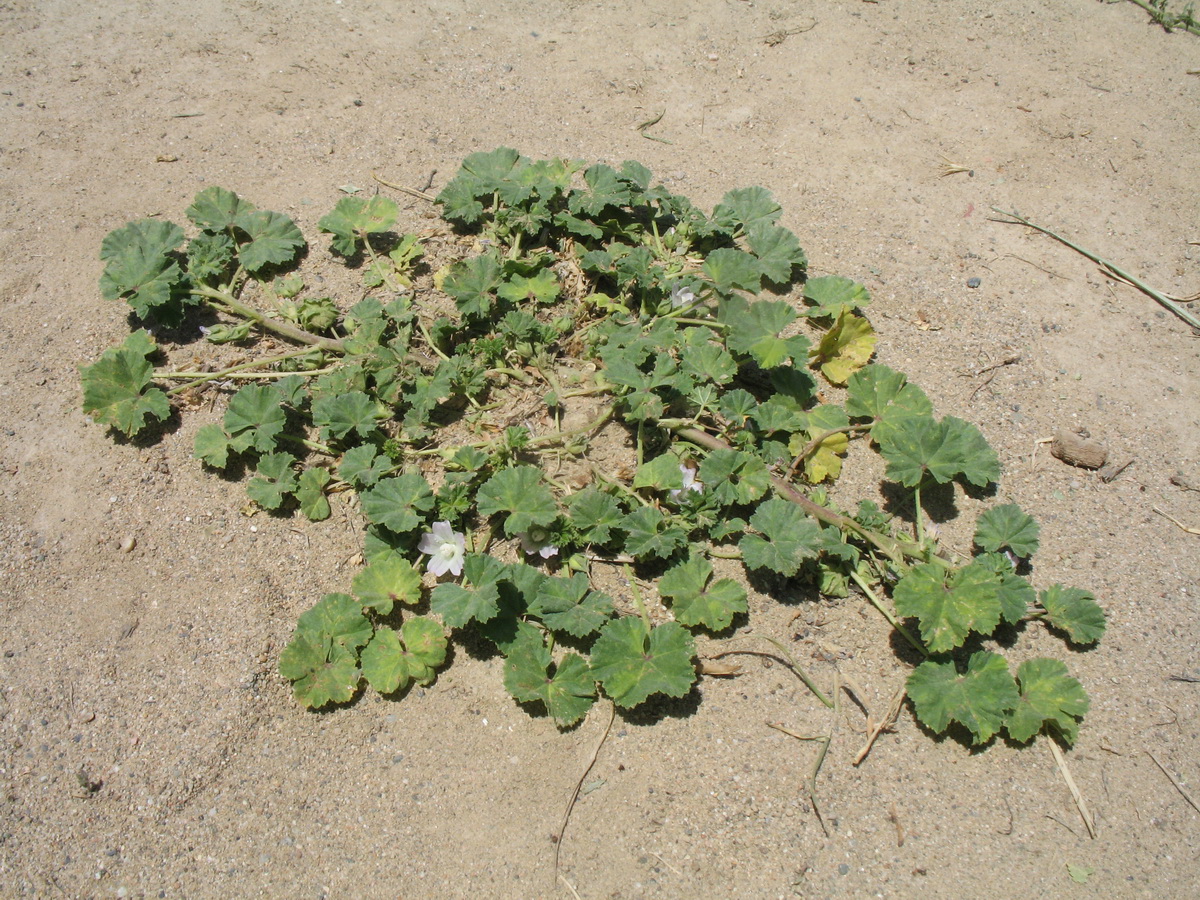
column 127, row 544
column 973, row 282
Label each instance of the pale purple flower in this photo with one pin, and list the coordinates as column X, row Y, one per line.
column 445, row 549
column 682, row 295
column 689, row 482
column 537, row 540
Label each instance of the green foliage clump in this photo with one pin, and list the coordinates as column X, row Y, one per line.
column 583, row 282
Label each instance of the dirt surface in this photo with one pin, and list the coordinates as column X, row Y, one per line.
column 149, row 749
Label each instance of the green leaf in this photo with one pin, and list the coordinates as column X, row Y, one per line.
column 116, row 387
column 788, row 536
column 390, row 661
column 1048, row 694
column 209, row 255
column 398, row 503
column 212, row 446
column 255, row 417
column 338, row 415
column 337, row 619
column 754, row 331
column 274, row 239
column 363, row 466
column 519, row 492
column 919, row 446
column 386, row 581
column 152, row 237
column 632, row 664
column 832, row 296
column 471, row 283
column 949, row 605
column 594, row 514
column 734, row 476
column 1075, row 611
column 844, row 349
column 696, row 602
column 663, row 473
column 383, row 662
column 778, row 251
column 566, row 690
column 491, row 170
column 606, row 188
column 459, row 201
column 425, row 646
column 138, row 269
column 568, row 604
column 884, row 395
column 276, row 479
column 729, row 268
column 1015, row 592
column 705, row 360
column 1080, row 874
column 355, row 217
column 1006, row 526
column 319, row 673
column 458, row 605
column 651, row 534
column 310, row 494
column 217, row 209
column 750, row 208
column 979, row 699
column 540, row 288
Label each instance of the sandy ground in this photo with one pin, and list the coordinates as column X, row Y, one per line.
column 153, row 671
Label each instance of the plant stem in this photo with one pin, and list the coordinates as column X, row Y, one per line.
column 894, row 549
column 792, row 664
column 227, row 303
column 723, row 553
column 887, row 614
column 917, row 516
column 199, row 378
column 637, row 599
column 562, row 436
column 1118, row 274
column 711, row 323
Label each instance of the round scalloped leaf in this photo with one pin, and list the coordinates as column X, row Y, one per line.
column 567, row 690
column 116, row 388
column 980, row 698
column 383, row 662
column 274, row 239
column 337, row 619
column 1048, row 694
column 949, row 605
column 632, row 664
column 1075, row 611
column 398, row 503
column 695, row 601
column 217, row 209
column 1006, row 527
column 387, row 581
column 425, row 647
column 319, row 675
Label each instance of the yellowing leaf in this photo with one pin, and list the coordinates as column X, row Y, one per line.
column 845, row 348
column 823, row 462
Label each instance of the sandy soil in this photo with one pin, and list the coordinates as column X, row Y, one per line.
column 153, row 671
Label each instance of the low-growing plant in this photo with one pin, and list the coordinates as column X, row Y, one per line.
column 448, row 402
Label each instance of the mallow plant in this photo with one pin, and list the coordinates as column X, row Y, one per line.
column 435, row 402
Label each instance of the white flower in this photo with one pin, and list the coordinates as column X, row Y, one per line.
column 537, row 540
column 689, row 482
column 682, row 295
column 445, row 549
